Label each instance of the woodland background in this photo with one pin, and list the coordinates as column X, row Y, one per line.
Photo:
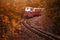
column 11, row 11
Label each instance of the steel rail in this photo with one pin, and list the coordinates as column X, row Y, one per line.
column 36, row 31
column 44, row 32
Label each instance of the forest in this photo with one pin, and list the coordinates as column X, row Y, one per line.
column 11, row 11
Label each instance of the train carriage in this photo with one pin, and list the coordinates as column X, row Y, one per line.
column 31, row 12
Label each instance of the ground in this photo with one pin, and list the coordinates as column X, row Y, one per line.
column 31, row 26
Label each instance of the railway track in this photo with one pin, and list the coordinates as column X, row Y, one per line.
column 29, row 34
column 39, row 32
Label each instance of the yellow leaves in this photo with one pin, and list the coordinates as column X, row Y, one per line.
column 16, row 25
column 12, row 29
column 7, row 3
column 6, row 19
column 11, row 25
column 14, row 9
column 36, row 3
column 13, row 22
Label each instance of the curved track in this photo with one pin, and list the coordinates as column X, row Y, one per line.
column 34, row 33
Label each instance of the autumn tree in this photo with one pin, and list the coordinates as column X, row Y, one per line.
column 53, row 12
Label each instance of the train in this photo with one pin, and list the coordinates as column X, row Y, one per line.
column 32, row 12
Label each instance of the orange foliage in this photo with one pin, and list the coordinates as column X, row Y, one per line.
column 12, row 11
column 13, row 22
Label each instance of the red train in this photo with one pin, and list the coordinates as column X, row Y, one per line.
column 31, row 12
